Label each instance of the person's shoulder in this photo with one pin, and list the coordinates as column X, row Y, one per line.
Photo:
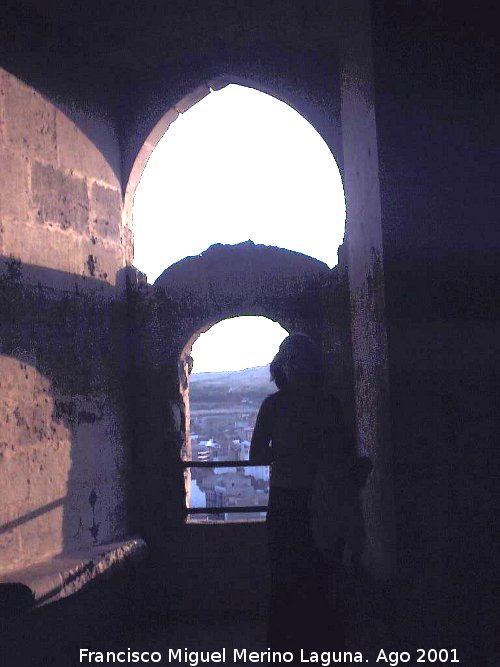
column 268, row 407
column 270, row 401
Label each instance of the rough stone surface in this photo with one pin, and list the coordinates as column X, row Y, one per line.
column 61, row 445
column 59, row 198
column 366, row 283
column 30, row 121
column 35, row 459
column 55, row 186
column 128, row 242
column 105, row 208
column 43, row 254
column 66, row 575
column 79, row 153
column 101, row 262
column 226, row 281
column 14, row 202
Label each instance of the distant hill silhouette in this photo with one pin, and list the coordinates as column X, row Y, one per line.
column 244, row 389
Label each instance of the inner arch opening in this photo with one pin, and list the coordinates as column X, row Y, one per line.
column 222, row 402
column 238, row 165
column 236, row 344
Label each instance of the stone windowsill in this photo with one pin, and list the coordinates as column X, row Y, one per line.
column 68, row 573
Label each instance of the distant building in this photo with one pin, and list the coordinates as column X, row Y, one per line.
column 261, row 472
column 200, row 452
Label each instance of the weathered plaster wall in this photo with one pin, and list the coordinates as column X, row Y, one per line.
column 438, row 166
column 366, row 279
column 62, row 457
column 62, row 249
column 35, row 460
column 60, row 200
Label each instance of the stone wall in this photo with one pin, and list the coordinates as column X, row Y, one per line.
column 299, row 292
column 62, row 458
column 441, row 246
column 366, row 279
column 60, row 200
column 420, row 160
column 62, row 250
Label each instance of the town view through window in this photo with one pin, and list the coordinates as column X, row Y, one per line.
column 223, row 409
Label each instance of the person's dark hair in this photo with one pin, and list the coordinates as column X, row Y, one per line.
column 298, row 355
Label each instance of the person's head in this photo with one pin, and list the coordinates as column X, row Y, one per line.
column 298, row 361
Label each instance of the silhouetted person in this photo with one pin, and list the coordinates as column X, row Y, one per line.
column 299, row 428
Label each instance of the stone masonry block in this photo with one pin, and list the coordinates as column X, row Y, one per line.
column 128, row 241
column 26, row 407
column 14, row 192
column 78, row 152
column 37, row 246
column 43, row 535
column 16, row 485
column 106, row 209
column 102, row 263
column 3, row 74
column 40, row 249
column 162, row 126
column 60, row 199
column 30, row 120
column 49, row 468
column 10, row 543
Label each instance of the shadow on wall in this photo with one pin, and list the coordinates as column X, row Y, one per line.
column 91, row 414
column 62, row 452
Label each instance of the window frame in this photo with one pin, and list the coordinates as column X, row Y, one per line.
column 219, row 509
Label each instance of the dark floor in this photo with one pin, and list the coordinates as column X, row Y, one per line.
column 136, row 613
column 112, row 618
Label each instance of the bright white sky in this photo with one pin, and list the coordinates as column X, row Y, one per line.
column 237, row 343
column 238, row 165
